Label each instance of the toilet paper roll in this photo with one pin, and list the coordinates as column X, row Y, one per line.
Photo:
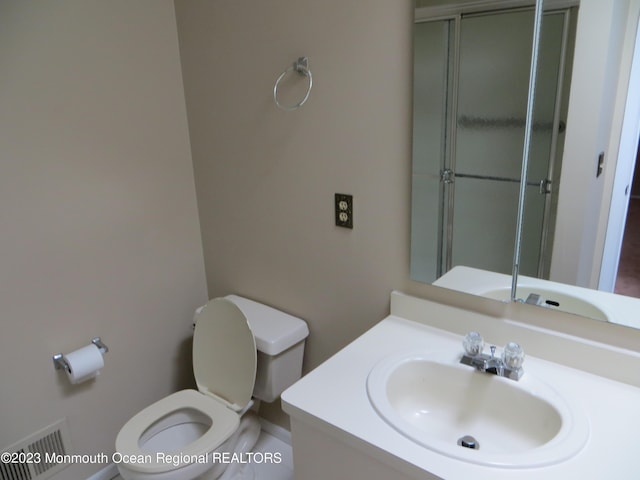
column 84, row 363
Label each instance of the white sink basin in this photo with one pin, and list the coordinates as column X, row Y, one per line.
column 552, row 299
column 435, row 401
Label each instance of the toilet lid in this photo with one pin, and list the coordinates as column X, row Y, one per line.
column 224, row 353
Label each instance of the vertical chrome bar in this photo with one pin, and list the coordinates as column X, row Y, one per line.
column 527, row 143
column 446, row 206
column 452, row 135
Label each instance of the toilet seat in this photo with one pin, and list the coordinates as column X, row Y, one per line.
column 224, row 422
column 224, row 365
column 224, row 353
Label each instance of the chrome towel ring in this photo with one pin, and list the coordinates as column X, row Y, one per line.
column 301, row 66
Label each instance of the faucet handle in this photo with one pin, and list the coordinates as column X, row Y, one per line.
column 473, row 344
column 513, row 355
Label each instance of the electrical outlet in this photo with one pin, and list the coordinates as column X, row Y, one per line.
column 344, row 210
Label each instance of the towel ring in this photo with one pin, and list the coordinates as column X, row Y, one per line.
column 302, row 67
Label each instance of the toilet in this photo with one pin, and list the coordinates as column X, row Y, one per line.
column 241, row 349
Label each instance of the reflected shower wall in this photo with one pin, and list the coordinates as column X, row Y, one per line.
column 471, row 77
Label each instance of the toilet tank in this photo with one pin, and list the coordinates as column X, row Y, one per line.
column 280, row 343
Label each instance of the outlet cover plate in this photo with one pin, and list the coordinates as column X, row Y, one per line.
column 344, row 210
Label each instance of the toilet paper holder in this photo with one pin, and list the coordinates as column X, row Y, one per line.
column 60, row 363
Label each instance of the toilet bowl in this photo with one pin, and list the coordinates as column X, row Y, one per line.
column 203, row 434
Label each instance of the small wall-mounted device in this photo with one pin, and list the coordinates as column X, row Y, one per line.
column 600, row 167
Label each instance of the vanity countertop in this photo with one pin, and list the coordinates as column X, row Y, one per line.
column 333, row 398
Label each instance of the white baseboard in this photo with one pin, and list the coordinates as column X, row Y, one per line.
column 276, row 430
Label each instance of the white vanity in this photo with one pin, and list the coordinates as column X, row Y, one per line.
column 397, row 403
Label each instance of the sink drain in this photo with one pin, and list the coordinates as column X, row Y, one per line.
column 468, row 442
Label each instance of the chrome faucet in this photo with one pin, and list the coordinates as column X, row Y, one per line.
column 508, row 365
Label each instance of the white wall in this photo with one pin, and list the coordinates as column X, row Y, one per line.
column 100, row 233
column 623, row 144
column 600, row 71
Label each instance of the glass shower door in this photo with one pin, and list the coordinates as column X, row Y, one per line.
column 546, row 148
column 494, row 61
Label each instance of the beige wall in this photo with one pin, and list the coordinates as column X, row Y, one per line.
column 266, row 178
column 100, row 233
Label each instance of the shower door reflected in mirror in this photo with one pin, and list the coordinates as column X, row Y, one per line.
column 470, row 92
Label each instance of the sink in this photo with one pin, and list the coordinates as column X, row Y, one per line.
column 450, row 408
column 552, row 299
column 581, row 301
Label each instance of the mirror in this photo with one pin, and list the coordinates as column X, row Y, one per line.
column 467, row 209
column 471, row 79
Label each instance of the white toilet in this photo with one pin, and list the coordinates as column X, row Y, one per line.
column 182, row 436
